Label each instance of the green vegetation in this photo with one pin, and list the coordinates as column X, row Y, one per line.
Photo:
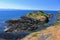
column 30, row 13
column 55, row 23
column 41, row 11
column 36, row 14
column 35, row 35
column 42, row 14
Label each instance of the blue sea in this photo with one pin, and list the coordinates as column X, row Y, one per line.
column 16, row 14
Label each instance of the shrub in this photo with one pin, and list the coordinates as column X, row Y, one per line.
column 55, row 23
column 35, row 35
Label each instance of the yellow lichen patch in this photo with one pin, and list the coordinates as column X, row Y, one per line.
column 40, row 17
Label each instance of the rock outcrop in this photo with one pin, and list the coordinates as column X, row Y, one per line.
column 29, row 22
column 58, row 17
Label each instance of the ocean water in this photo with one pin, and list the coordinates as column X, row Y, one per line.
column 12, row 14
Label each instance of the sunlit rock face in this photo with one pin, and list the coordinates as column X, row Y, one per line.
column 50, row 33
column 29, row 22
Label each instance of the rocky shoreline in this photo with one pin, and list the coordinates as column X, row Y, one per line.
column 30, row 22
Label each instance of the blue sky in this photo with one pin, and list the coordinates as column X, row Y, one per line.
column 30, row 4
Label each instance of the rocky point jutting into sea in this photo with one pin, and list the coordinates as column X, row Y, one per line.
column 31, row 22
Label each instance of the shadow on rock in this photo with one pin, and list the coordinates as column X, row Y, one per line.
column 11, row 36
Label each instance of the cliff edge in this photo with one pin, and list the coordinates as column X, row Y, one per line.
column 50, row 33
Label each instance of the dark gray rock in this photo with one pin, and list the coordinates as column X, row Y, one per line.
column 12, row 36
column 26, row 23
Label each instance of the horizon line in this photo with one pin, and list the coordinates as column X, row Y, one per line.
column 30, row 9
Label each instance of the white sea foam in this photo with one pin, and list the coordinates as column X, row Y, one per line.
column 6, row 28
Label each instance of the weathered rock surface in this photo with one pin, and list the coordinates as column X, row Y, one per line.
column 50, row 33
column 58, row 17
column 29, row 22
